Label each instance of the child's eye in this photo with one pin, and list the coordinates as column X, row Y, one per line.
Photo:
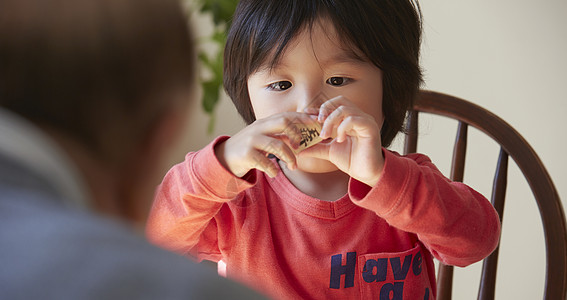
column 280, row 85
column 338, row 81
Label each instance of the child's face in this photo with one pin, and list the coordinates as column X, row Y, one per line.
column 315, row 68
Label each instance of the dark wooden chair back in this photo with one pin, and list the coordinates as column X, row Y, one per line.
column 513, row 145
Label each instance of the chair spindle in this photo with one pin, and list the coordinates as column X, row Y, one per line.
column 490, row 264
column 445, row 274
column 410, row 145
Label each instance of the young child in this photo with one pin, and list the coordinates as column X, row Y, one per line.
column 345, row 218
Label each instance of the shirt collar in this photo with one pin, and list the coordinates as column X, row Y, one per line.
column 24, row 143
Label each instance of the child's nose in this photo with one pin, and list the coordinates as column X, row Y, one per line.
column 311, row 101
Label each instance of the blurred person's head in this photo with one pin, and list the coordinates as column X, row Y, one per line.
column 110, row 80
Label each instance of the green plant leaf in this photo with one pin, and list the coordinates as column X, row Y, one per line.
column 210, row 95
column 222, row 10
column 219, row 36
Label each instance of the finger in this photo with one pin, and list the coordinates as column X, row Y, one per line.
column 264, row 164
column 287, row 124
column 361, row 126
column 292, row 134
column 280, row 122
column 334, row 120
column 329, row 106
column 278, row 148
column 320, row 151
column 347, row 127
column 311, row 110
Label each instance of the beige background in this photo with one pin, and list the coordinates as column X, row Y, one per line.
column 509, row 57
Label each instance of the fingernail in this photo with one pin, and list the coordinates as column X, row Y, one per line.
column 323, row 134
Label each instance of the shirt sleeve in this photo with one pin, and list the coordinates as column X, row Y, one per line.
column 457, row 224
column 191, row 194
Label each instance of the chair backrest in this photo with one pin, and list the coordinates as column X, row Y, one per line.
column 511, row 145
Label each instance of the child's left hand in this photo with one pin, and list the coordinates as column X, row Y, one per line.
column 356, row 148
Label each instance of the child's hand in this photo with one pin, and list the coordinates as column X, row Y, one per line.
column 248, row 149
column 356, row 150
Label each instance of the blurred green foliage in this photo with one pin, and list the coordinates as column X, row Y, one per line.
column 222, row 11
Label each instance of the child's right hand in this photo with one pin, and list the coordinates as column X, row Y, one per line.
column 249, row 148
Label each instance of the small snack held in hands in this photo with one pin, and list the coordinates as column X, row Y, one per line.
column 310, row 136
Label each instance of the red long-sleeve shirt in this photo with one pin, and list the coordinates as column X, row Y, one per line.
column 374, row 242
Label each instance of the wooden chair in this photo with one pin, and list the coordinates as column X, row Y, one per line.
column 512, row 144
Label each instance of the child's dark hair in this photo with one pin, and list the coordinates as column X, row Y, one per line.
column 387, row 32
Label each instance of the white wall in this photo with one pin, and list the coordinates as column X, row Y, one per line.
column 509, row 57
